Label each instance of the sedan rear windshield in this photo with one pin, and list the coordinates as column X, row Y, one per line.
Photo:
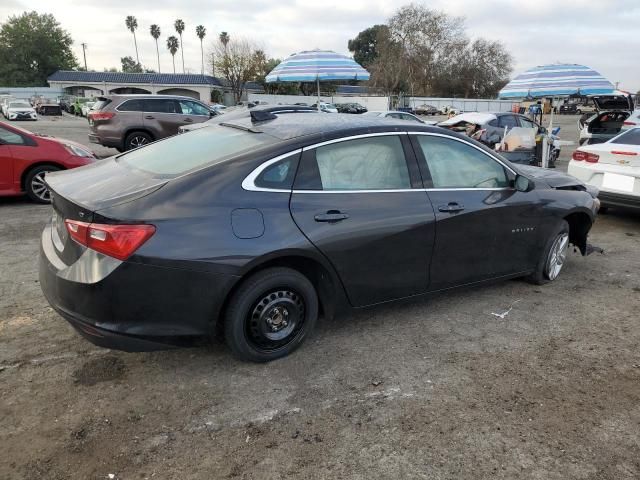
column 630, row 137
column 193, row 150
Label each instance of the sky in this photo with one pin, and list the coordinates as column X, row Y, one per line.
column 602, row 34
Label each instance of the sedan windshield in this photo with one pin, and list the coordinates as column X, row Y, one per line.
column 19, row 105
column 203, row 147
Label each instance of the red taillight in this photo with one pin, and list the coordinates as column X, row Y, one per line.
column 620, row 152
column 580, row 156
column 118, row 241
column 629, row 123
column 101, row 115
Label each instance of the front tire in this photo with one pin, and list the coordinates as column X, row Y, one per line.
column 270, row 315
column 553, row 256
column 35, row 186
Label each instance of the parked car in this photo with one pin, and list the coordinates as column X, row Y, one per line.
column 577, row 109
column 4, row 103
column 130, row 121
column 76, row 107
column 632, row 121
column 326, row 107
column 25, row 158
column 65, row 103
column 399, row 115
column 427, row 110
column 489, row 128
column 613, row 111
column 20, row 110
column 613, row 167
column 354, row 108
column 86, row 108
column 265, row 222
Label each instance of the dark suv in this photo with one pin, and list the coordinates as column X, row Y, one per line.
column 129, row 121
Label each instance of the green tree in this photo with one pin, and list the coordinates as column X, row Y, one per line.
column 129, row 65
column 172, row 45
column 132, row 24
column 155, row 33
column 201, row 32
column 179, row 26
column 365, row 46
column 224, row 39
column 32, row 47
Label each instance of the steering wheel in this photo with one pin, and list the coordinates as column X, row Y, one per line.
column 485, row 180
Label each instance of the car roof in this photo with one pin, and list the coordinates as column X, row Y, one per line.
column 288, row 126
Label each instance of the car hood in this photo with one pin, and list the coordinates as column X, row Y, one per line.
column 553, row 178
column 102, row 184
column 21, row 109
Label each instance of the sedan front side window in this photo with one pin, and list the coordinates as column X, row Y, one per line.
column 454, row 164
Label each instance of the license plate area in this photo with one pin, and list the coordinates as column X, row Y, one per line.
column 615, row 181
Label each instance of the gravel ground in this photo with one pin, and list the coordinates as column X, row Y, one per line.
column 427, row 389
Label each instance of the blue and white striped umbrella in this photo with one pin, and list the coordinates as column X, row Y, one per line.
column 560, row 79
column 317, row 65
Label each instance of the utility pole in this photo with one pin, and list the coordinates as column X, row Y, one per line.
column 84, row 53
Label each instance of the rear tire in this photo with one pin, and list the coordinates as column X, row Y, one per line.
column 553, row 256
column 34, row 184
column 270, row 315
column 137, row 139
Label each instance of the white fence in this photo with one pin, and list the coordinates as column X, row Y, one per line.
column 464, row 104
column 372, row 103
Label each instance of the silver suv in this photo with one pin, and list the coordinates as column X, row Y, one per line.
column 129, row 121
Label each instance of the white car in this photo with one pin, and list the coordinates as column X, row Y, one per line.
column 86, row 108
column 20, row 110
column 399, row 115
column 4, row 104
column 613, row 167
column 633, row 121
column 326, row 107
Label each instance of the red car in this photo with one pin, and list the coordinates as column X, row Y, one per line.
column 25, row 158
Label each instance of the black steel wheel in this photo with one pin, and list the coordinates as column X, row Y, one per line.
column 270, row 315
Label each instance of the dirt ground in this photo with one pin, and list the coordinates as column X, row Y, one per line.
column 428, row 389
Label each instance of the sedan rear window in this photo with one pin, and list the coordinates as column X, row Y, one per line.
column 203, row 147
column 630, row 137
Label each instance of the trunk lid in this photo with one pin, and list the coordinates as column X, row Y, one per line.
column 616, row 153
column 613, row 102
column 79, row 193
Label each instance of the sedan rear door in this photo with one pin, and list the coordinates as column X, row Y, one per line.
column 162, row 116
column 359, row 201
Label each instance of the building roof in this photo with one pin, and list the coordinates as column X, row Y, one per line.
column 142, row 78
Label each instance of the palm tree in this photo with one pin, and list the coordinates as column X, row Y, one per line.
column 201, row 32
column 155, row 33
column 224, row 38
column 179, row 26
column 173, row 45
column 132, row 24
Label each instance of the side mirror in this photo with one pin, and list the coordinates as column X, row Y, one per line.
column 523, row 184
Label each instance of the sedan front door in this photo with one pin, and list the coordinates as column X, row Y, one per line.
column 361, row 204
column 484, row 227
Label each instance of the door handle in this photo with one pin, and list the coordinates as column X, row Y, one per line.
column 188, row 120
column 451, row 207
column 332, row 216
column 149, row 117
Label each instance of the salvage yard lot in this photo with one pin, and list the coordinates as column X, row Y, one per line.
column 437, row 388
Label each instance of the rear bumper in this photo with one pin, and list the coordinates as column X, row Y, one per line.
column 133, row 306
column 609, row 199
column 105, row 141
